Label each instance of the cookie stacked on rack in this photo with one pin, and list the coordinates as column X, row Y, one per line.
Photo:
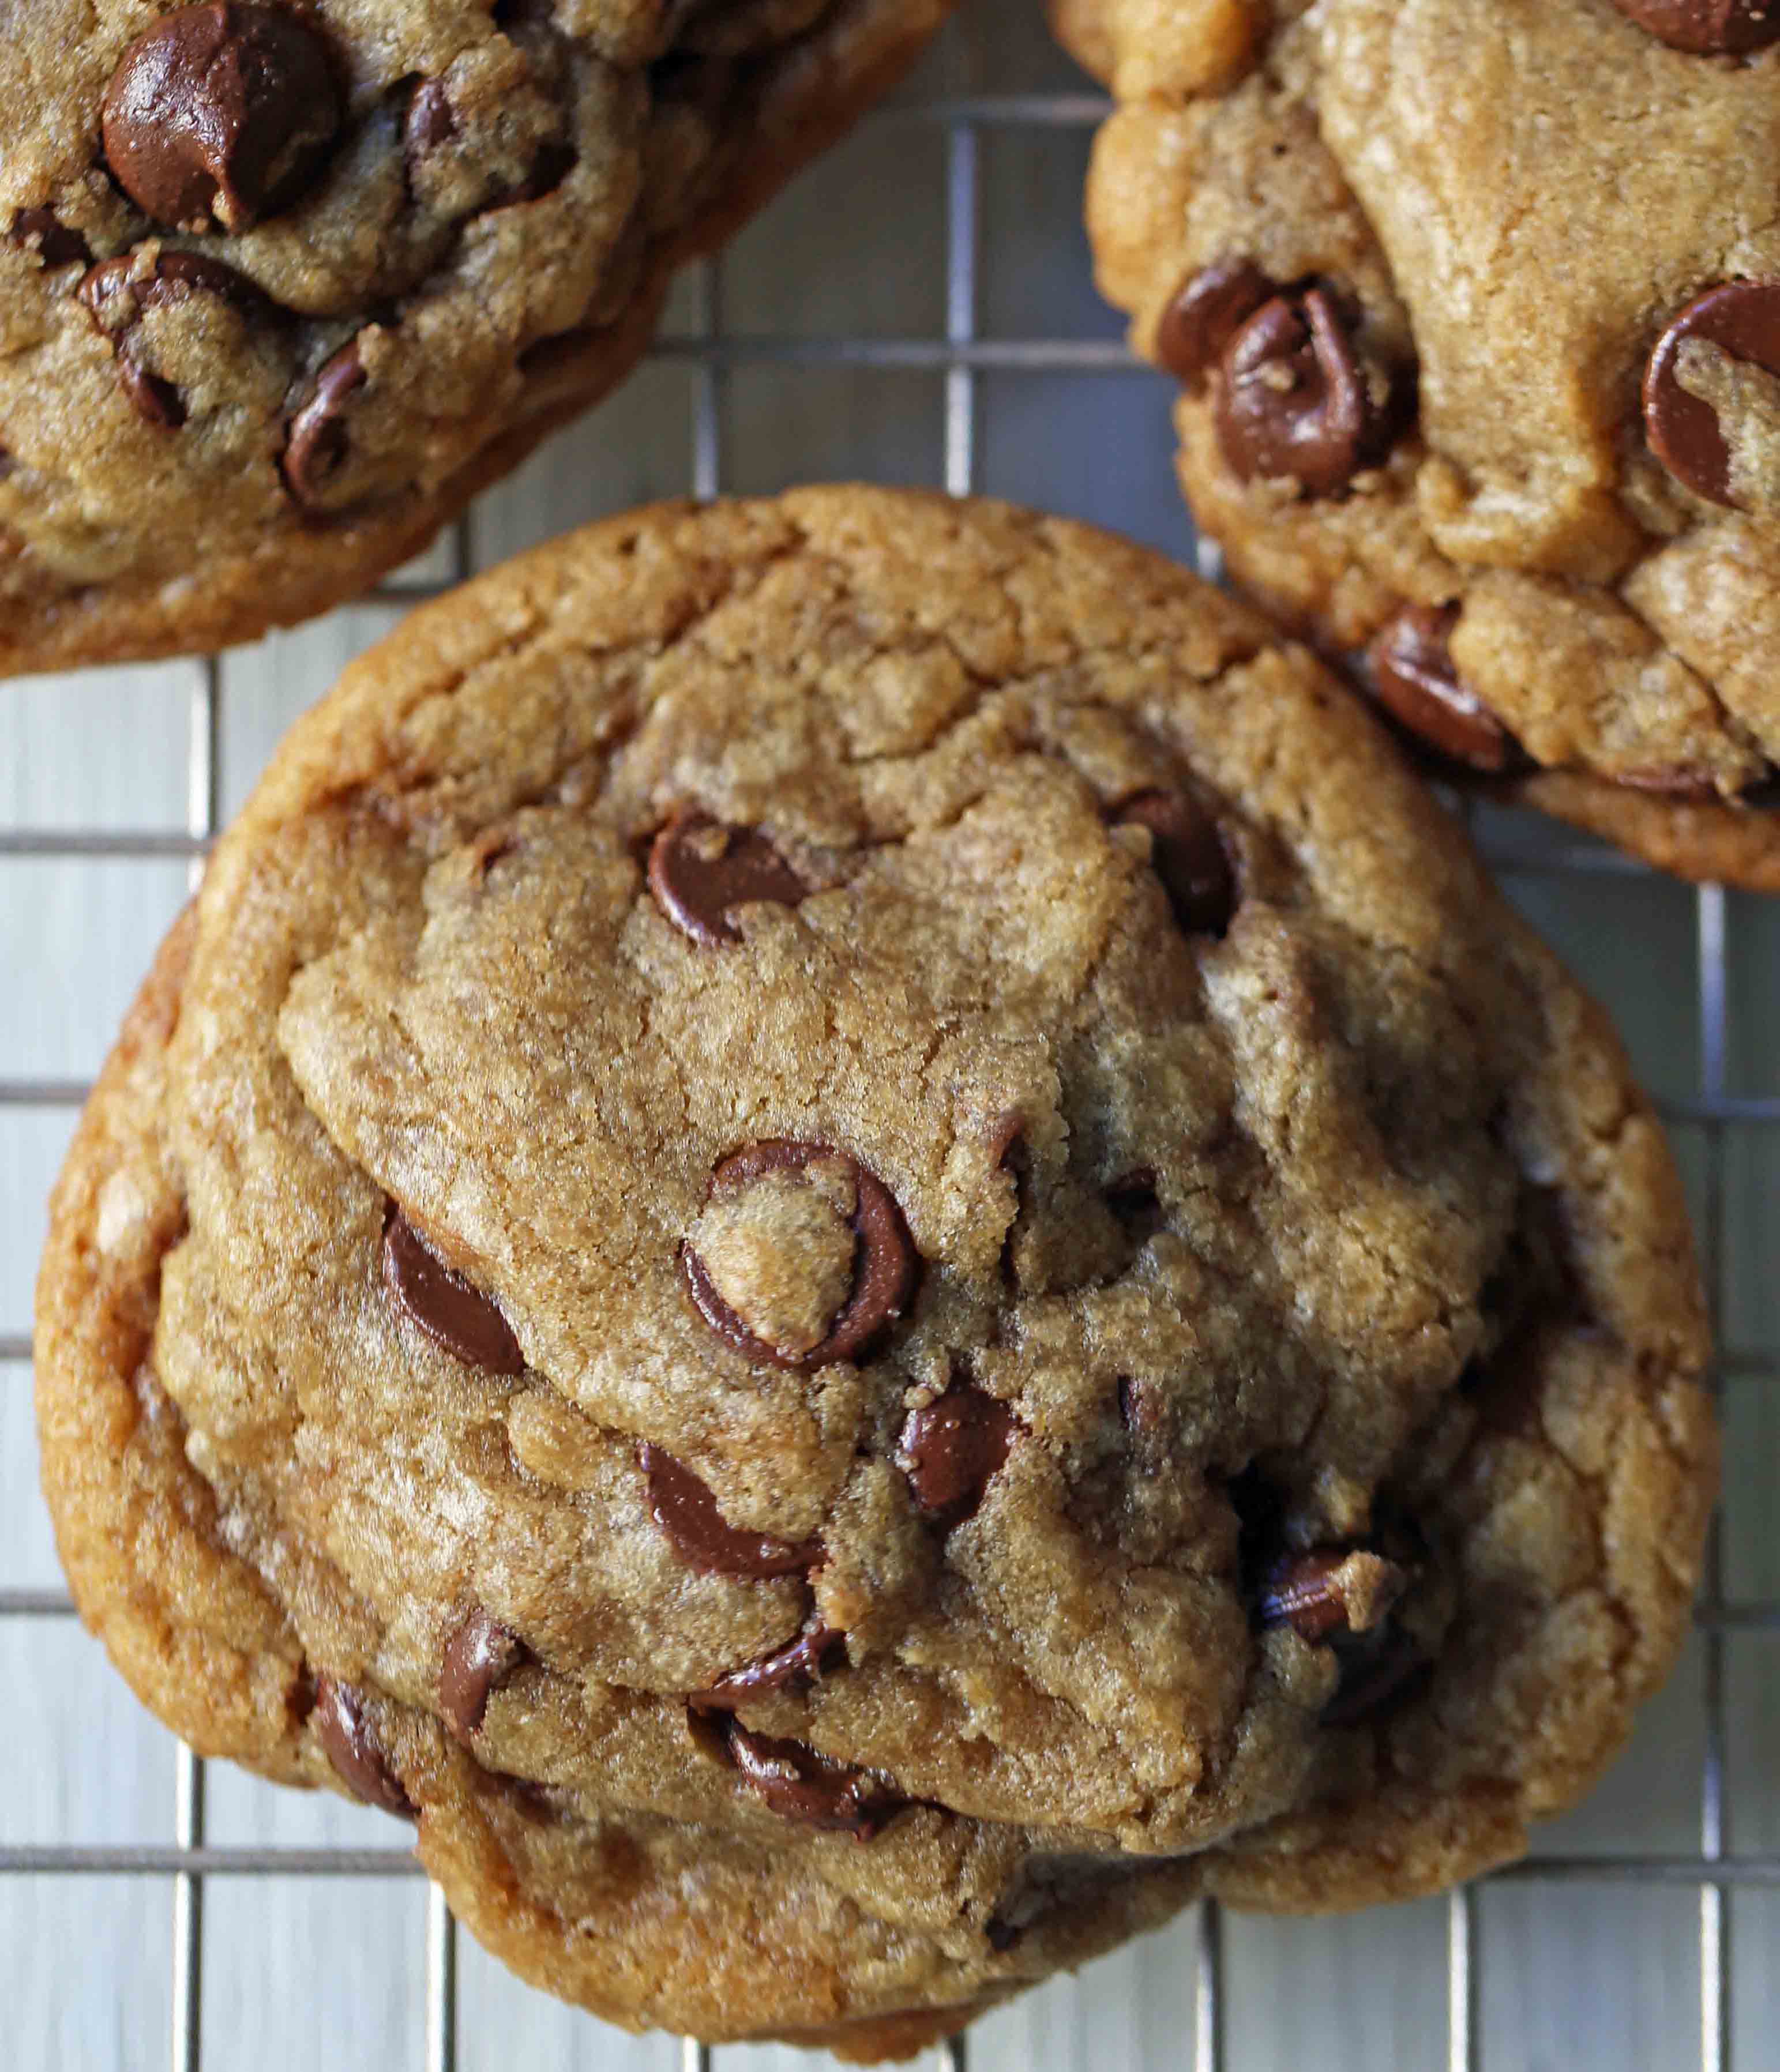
column 846, row 1235
column 1475, row 308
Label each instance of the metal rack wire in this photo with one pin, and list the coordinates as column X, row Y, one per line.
column 962, row 356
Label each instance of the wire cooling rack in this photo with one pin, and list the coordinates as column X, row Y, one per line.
column 1021, row 410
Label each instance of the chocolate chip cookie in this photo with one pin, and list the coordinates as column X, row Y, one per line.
column 847, row 1235
column 1475, row 308
column 283, row 284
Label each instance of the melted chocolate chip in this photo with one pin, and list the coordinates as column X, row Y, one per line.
column 42, row 231
column 1187, row 852
column 1207, row 311
column 1329, row 1591
column 1707, row 28
column 221, row 114
column 1341, row 1598
column 452, row 1312
column 801, row 1661
column 1669, row 780
column 801, row 1785
column 687, row 1512
column 479, row 1658
column 701, row 871
column 119, row 292
column 431, row 120
column 951, row 1448
column 316, row 447
column 883, row 1275
column 1414, row 679
column 346, row 1732
column 1293, row 398
column 1742, row 319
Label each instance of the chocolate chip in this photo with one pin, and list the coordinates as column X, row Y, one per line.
column 801, row 1661
column 1742, row 319
column 687, row 1512
column 315, row 449
column 1330, row 1590
column 1293, row 400
column 701, row 871
column 1187, row 853
column 1708, row 27
column 119, row 292
column 351, row 1740
column 479, row 1658
column 951, row 1448
column 801, row 1785
column 431, row 120
column 1208, row 310
column 223, row 113
column 1342, row 1598
column 1669, row 780
column 884, row 1271
column 452, row 1312
column 1414, row 679
column 41, row 231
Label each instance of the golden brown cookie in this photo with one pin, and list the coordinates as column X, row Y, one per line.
column 283, row 284
column 847, row 1234
column 1475, row 306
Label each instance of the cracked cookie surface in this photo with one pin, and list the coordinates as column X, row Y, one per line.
column 846, row 1233
column 1475, row 306
column 282, row 285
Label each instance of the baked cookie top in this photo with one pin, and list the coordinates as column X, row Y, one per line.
column 1476, row 308
column 282, row 284
column 853, row 1193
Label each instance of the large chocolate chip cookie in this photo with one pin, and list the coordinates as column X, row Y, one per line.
column 846, row 1235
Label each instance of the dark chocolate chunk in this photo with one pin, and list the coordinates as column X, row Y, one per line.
column 221, row 115
column 1294, row 400
column 687, row 1512
column 119, row 292
column 345, row 1731
column 42, row 231
column 883, row 1275
column 1208, row 310
column 801, row 1785
column 1742, row 319
column 802, row 1661
column 701, row 871
column 317, row 444
column 951, row 1448
column 452, row 1312
column 1189, row 857
column 1414, row 679
column 1707, row 28
column 479, row 1658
